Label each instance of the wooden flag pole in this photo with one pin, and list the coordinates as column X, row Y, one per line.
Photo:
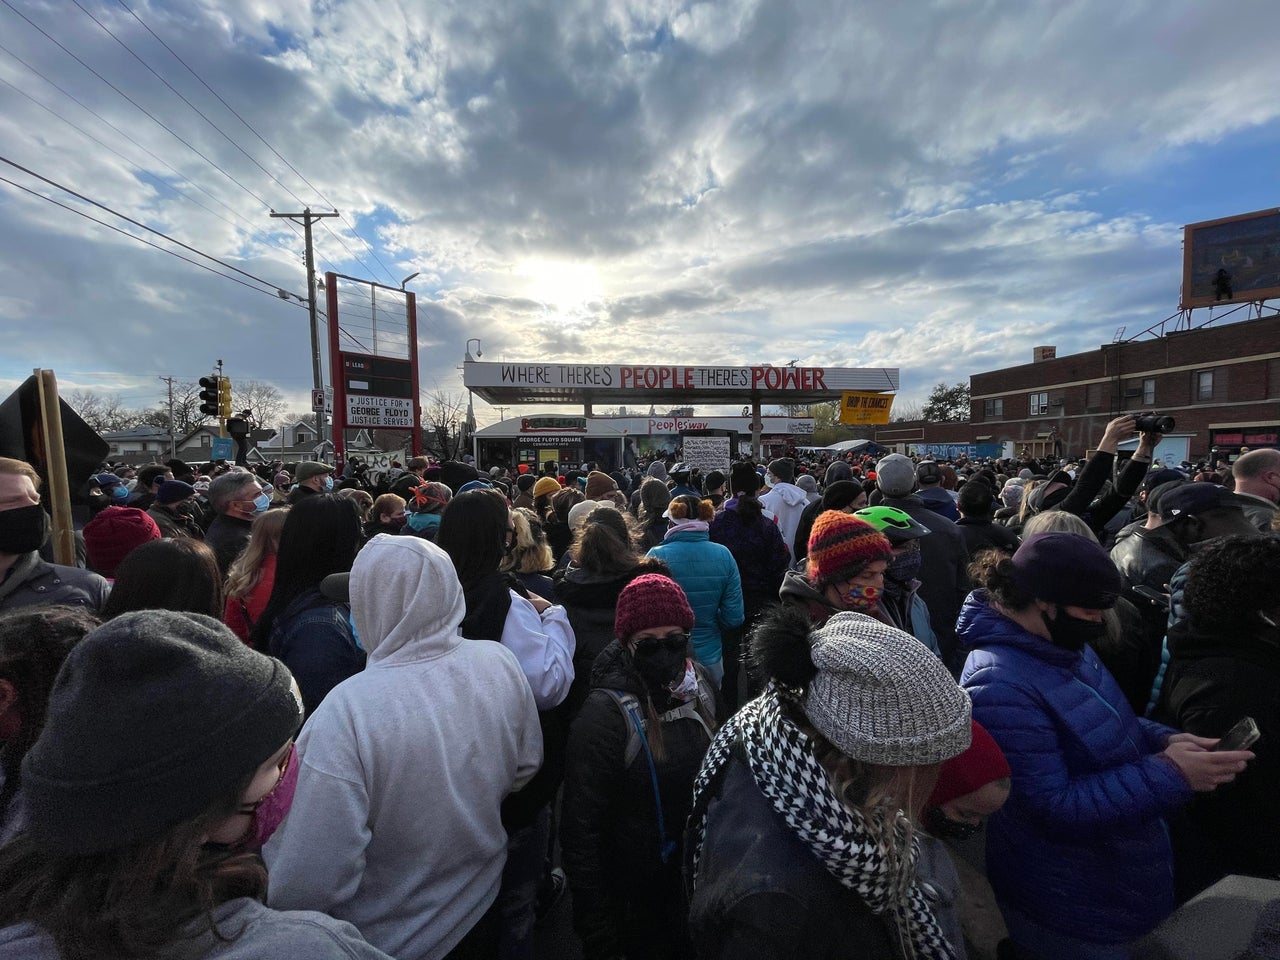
column 64, row 543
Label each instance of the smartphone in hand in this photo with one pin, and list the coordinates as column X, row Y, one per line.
column 1240, row 737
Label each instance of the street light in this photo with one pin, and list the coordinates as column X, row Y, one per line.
column 408, row 278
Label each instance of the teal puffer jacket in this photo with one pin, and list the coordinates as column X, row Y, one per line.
column 709, row 576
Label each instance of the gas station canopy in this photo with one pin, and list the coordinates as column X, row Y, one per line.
column 515, row 383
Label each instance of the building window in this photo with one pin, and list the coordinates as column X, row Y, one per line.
column 1093, row 397
column 1039, row 404
column 1273, row 377
column 992, row 408
column 1204, row 384
column 1149, row 392
column 301, row 438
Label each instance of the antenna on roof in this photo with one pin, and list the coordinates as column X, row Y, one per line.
column 1119, row 335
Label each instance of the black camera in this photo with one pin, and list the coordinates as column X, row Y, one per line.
column 1154, row 423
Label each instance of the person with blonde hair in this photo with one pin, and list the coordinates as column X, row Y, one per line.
column 530, row 556
column 253, row 573
column 800, row 842
column 361, row 498
column 707, row 573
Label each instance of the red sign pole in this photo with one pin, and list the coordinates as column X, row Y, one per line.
column 416, row 438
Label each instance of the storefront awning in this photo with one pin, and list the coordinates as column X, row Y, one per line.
column 511, row 383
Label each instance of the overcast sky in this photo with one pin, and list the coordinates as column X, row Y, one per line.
column 934, row 186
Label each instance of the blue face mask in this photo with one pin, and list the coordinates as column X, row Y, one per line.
column 328, row 482
column 120, row 493
column 261, row 502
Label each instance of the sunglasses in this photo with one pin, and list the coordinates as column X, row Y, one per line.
column 672, row 641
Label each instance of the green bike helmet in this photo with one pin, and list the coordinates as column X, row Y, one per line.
column 897, row 525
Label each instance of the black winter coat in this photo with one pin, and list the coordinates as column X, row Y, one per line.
column 1214, row 679
column 591, row 600
column 626, row 901
column 944, row 573
column 983, row 533
column 761, row 893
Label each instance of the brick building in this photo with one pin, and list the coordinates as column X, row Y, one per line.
column 1220, row 383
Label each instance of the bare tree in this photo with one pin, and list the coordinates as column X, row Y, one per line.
column 186, row 410
column 103, row 413
column 264, row 402
column 444, row 420
column 907, row 411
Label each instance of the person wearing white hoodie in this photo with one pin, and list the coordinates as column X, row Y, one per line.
column 396, row 826
column 785, row 502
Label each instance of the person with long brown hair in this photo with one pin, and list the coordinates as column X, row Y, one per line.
column 604, row 559
column 253, row 574
column 800, row 841
column 148, row 801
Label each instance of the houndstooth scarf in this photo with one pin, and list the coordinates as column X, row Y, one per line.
column 789, row 775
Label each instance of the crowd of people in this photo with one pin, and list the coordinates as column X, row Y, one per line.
column 854, row 707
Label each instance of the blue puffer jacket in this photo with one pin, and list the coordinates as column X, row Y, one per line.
column 709, row 576
column 1081, row 847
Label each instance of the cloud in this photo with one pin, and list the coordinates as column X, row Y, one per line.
column 934, row 186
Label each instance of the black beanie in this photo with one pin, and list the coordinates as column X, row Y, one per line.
column 783, row 469
column 152, row 718
column 744, row 479
column 1068, row 569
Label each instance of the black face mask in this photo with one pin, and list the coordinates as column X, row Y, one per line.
column 659, row 667
column 944, row 828
column 1072, row 633
column 23, row 529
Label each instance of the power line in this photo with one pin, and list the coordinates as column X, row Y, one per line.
column 144, row 110
column 107, row 146
column 253, row 130
column 136, row 223
column 134, row 236
column 101, row 119
column 253, row 233
column 177, row 93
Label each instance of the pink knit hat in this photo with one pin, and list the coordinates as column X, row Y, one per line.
column 113, row 534
column 651, row 601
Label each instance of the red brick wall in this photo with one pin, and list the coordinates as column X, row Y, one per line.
column 1087, row 390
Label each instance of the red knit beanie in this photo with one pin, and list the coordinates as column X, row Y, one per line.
column 972, row 770
column 112, row 535
column 651, row 601
column 841, row 545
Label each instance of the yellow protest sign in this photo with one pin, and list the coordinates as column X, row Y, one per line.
column 864, row 407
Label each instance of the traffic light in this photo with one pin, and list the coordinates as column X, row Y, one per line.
column 224, row 397
column 209, row 395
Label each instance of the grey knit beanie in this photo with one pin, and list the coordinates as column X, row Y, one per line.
column 152, row 718
column 881, row 696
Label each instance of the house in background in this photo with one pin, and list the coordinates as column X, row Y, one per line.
column 137, row 445
column 297, row 441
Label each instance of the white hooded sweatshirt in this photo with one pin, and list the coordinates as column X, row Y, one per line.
column 395, row 826
column 785, row 503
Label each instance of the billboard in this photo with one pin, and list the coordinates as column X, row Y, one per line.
column 375, row 387
column 1231, row 260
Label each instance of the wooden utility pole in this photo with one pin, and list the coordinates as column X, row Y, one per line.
column 306, row 218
